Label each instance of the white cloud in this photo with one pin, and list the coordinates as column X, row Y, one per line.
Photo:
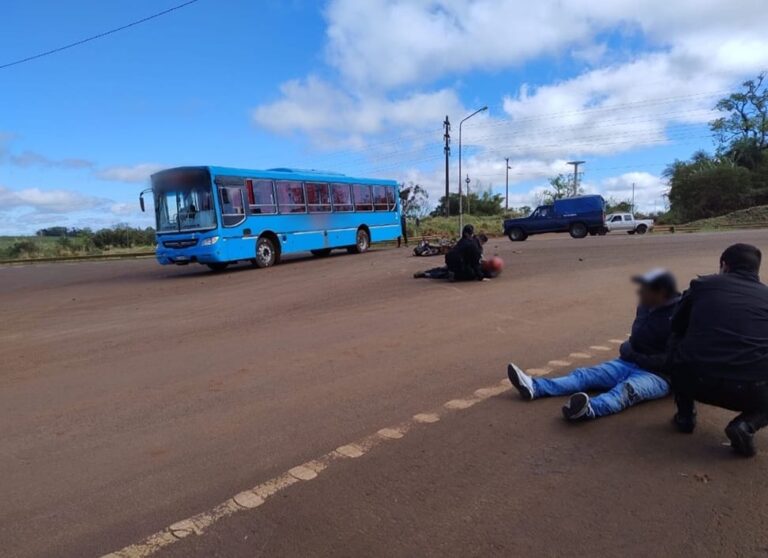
column 381, row 51
column 48, row 201
column 134, row 173
column 326, row 112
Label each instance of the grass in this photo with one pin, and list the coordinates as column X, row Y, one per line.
column 743, row 217
column 34, row 247
column 449, row 226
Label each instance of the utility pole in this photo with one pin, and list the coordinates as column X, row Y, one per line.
column 506, row 199
column 633, row 198
column 467, row 181
column 447, row 149
column 576, row 175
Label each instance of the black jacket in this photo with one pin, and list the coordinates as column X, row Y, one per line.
column 464, row 259
column 648, row 345
column 721, row 327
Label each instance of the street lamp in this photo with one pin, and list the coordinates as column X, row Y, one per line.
column 461, row 203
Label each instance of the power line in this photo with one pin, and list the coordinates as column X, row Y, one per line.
column 99, row 36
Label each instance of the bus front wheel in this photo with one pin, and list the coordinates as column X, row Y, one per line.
column 266, row 252
column 362, row 242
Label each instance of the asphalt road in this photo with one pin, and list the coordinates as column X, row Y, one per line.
column 133, row 396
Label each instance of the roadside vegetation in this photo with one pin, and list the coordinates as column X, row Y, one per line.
column 57, row 242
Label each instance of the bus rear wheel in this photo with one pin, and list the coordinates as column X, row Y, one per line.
column 362, row 242
column 266, row 253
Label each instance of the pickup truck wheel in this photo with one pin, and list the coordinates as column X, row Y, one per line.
column 578, row 230
column 642, row 229
column 517, row 234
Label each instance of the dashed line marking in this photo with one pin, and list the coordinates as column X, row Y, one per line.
column 616, row 341
column 350, row 450
column 391, row 433
column 257, row 496
column 600, row 348
column 559, row 363
column 303, row 473
column 460, row 404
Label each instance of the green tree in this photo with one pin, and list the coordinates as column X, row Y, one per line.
column 414, row 200
column 744, row 127
column 615, row 206
column 560, row 187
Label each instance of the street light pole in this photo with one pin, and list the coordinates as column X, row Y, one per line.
column 506, row 198
column 461, row 203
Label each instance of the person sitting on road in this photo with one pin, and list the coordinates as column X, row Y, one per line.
column 463, row 261
column 719, row 347
column 636, row 376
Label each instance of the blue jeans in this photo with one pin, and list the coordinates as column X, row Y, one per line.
column 623, row 384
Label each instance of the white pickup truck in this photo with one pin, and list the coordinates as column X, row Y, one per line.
column 627, row 222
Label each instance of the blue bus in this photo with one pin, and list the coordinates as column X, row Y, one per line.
column 218, row 216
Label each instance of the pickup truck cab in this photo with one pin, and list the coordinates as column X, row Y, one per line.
column 627, row 222
column 578, row 216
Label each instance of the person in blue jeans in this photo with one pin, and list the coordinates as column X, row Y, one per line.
column 636, row 376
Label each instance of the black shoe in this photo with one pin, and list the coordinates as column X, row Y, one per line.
column 742, row 438
column 578, row 408
column 684, row 424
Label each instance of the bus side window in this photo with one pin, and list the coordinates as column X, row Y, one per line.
column 318, row 197
column 342, row 198
column 380, row 201
column 362, row 197
column 232, row 206
column 391, row 199
column 290, row 196
column 261, row 197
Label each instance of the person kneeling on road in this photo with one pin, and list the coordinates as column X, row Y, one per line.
column 719, row 347
column 636, row 376
column 463, row 261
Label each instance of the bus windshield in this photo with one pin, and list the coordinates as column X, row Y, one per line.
column 184, row 202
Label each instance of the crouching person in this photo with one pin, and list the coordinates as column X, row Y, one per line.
column 719, row 350
column 637, row 375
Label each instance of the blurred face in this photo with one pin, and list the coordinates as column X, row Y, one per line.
column 650, row 298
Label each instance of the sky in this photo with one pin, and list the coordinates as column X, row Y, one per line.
column 360, row 87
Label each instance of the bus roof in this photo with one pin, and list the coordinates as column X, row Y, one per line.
column 298, row 174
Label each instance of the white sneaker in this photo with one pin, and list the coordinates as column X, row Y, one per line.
column 522, row 381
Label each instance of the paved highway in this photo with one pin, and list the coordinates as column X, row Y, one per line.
column 134, row 397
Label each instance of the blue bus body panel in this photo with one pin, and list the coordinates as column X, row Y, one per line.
column 298, row 232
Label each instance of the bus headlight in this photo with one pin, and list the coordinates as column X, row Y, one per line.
column 210, row 241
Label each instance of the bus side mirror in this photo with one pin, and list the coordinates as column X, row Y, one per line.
column 141, row 203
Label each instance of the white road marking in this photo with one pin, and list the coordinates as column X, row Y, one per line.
column 257, row 496
column 600, row 348
column 559, row 363
column 350, row 450
column 538, row 371
column 616, row 341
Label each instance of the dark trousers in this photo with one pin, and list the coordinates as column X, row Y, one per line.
column 750, row 398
